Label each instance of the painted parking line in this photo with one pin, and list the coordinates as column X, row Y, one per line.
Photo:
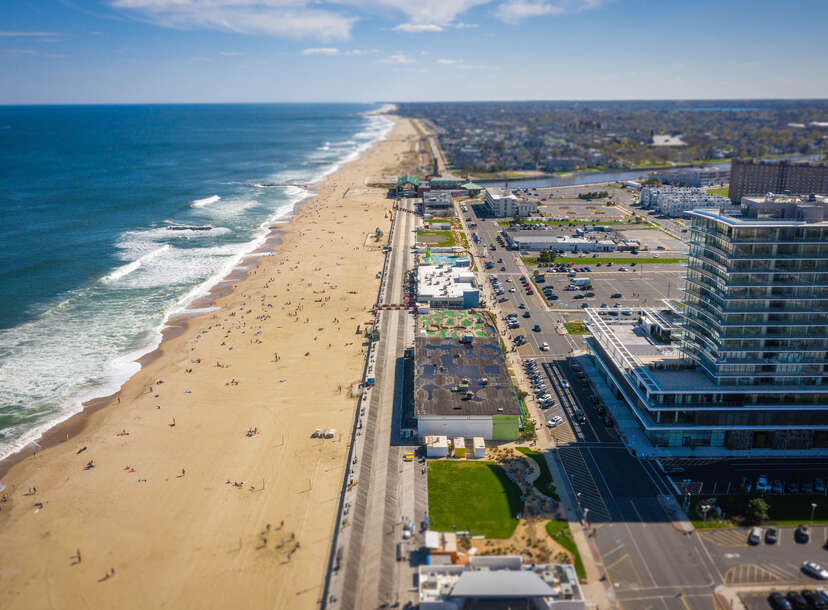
column 749, row 574
column 730, row 537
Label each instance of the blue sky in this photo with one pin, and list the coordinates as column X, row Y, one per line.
column 108, row 51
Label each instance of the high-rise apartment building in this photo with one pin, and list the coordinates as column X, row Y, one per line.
column 761, row 177
column 751, row 369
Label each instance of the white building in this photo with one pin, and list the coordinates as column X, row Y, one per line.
column 499, row 581
column 503, row 203
column 536, row 240
column 676, row 200
column 444, row 286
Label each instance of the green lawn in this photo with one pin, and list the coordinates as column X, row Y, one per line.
column 722, row 191
column 558, row 530
column 437, row 238
column 544, row 482
column 473, row 496
column 576, row 328
column 533, row 260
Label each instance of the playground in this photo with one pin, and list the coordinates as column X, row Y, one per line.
column 449, row 323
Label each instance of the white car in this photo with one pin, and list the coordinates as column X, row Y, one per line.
column 564, row 383
column 544, row 347
column 552, row 423
column 815, row 570
column 622, row 268
column 557, row 420
column 512, row 289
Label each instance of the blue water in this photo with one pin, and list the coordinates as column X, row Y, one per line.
column 88, row 266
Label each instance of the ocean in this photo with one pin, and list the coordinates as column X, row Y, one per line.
column 98, row 246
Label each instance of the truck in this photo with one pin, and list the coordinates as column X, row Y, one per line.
column 580, row 281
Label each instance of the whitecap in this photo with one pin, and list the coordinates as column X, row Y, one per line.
column 200, row 203
column 125, row 270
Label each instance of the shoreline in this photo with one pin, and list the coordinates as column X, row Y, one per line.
column 234, row 297
column 175, row 322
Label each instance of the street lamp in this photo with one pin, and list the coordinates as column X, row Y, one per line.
column 705, row 508
column 813, row 508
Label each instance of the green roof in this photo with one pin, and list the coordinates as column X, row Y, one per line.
column 471, row 186
column 409, row 178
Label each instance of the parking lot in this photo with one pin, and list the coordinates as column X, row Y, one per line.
column 761, row 601
column 727, row 476
column 639, row 286
column 742, row 564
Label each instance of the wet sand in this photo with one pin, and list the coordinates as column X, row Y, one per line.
column 199, row 485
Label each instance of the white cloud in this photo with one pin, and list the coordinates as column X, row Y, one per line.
column 397, row 58
column 289, row 18
column 321, row 51
column 461, row 64
column 429, row 12
column 28, row 34
column 417, row 27
column 333, row 51
column 515, row 11
column 230, row 53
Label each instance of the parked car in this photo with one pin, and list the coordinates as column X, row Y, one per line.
column 814, row 570
column 616, row 295
column 814, row 600
column 755, row 536
column 778, row 487
column 771, row 536
column 778, row 601
column 536, row 328
column 797, row 601
column 802, row 534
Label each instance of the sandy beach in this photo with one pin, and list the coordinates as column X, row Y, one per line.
column 199, row 485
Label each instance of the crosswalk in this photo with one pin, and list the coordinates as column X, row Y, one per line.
column 584, row 484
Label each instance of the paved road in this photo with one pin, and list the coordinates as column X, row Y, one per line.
column 647, row 561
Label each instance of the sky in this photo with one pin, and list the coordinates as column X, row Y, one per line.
column 156, row 51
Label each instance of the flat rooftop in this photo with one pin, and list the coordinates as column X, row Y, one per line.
column 441, row 365
column 662, row 363
column 443, row 281
column 506, row 579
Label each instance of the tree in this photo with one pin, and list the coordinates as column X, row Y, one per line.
column 756, row 511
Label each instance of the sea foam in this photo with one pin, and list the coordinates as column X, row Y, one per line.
column 200, row 203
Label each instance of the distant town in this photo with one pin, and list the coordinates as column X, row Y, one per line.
column 488, row 139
